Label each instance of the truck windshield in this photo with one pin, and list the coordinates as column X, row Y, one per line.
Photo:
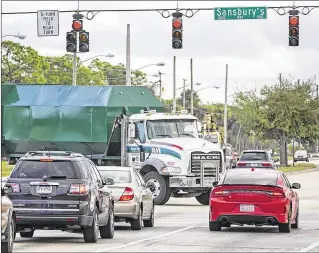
column 171, row 128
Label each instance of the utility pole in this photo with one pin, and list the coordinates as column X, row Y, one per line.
column 75, row 53
column 280, row 80
column 192, row 88
column 128, row 56
column 184, row 93
column 317, row 146
column 160, row 84
column 225, row 106
column 174, row 83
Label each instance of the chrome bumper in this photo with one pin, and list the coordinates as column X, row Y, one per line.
column 189, row 182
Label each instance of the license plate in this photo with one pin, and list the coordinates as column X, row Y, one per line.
column 254, row 164
column 208, row 182
column 44, row 189
column 247, row 208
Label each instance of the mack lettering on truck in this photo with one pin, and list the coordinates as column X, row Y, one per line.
column 199, row 161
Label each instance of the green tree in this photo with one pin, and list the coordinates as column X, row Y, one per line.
column 197, row 102
column 280, row 112
column 21, row 64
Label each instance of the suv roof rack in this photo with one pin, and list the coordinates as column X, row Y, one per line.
column 53, row 153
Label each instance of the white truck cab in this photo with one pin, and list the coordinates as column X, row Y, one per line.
column 167, row 150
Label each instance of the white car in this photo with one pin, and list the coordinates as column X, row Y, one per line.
column 301, row 155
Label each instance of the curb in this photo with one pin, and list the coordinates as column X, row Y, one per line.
column 301, row 171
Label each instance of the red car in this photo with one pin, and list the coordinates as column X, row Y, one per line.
column 254, row 197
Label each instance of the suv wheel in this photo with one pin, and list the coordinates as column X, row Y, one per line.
column 7, row 247
column 91, row 234
column 108, row 230
column 136, row 224
column 27, row 234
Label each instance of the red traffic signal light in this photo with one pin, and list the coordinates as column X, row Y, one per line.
column 177, row 31
column 77, row 25
column 293, row 31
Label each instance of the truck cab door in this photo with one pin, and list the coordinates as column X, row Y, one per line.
column 135, row 142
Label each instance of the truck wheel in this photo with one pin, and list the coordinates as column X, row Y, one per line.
column 162, row 192
column 203, row 198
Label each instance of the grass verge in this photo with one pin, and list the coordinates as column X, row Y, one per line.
column 5, row 169
column 298, row 167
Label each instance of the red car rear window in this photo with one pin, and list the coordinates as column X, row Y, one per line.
column 252, row 178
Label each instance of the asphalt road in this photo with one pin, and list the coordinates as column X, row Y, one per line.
column 182, row 226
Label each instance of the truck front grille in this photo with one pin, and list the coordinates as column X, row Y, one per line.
column 198, row 160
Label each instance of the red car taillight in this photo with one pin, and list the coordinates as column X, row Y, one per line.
column 277, row 194
column 266, row 164
column 80, row 189
column 128, row 194
column 241, row 164
column 219, row 193
column 15, row 187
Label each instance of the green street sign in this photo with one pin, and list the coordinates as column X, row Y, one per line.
column 235, row 13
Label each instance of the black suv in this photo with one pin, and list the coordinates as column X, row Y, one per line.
column 61, row 191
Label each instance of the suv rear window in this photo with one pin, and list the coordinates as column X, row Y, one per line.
column 254, row 156
column 251, row 178
column 38, row 169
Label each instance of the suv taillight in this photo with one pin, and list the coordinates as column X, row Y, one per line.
column 266, row 164
column 128, row 194
column 241, row 164
column 15, row 187
column 80, row 189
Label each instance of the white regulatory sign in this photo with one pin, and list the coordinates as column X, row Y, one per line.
column 48, row 23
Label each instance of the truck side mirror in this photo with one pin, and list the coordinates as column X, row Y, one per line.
column 131, row 131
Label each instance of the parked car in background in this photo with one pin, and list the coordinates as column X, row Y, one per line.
column 61, row 191
column 254, row 197
column 7, row 221
column 301, row 155
column 133, row 199
column 256, row 159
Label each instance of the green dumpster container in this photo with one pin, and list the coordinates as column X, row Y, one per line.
column 66, row 118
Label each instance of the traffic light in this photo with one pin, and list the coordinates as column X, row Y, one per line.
column 77, row 25
column 84, row 41
column 71, row 42
column 293, row 31
column 177, row 30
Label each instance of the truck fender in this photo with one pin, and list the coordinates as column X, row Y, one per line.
column 151, row 163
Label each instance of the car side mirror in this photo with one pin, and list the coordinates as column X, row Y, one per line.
column 277, row 160
column 237, row 159
column 295, row 186
column 108, row 181
column 131, row 131
column 215, row 183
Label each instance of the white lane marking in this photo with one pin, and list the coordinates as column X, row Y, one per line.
column 310, row 247
column 146, row 239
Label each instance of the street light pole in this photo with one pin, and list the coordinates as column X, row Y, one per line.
column 128, row 56
column 192, row 88
column 174, row 83
column 184, row 93
column 21, row 37
column 75, row 67
column 225, row 106
column 160, row 84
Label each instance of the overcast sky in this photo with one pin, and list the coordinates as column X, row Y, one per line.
column 255, row 50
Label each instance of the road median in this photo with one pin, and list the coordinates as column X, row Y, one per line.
column 299, row 168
